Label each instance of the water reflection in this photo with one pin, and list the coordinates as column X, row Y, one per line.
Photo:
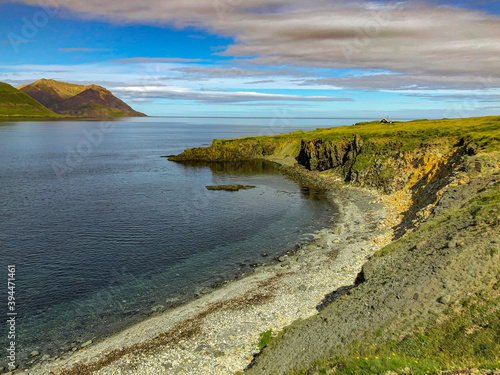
column 313, row 193
column 250, row 167
column 255, row 167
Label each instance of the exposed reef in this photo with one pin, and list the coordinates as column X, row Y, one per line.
column 230, row 187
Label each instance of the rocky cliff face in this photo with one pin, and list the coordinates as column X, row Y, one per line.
column 384, row 166
column 320, row 155
column 422, row 175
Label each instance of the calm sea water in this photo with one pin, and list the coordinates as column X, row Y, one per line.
column 102, row 229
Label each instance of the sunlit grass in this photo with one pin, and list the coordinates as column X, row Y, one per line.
column 14, row 103
column 483, row 130
column 466, row 336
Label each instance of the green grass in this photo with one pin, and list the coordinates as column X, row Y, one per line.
column 265, row 339
column 485, row 131
column 381, row 141
column 14, row 103
column 381, row 364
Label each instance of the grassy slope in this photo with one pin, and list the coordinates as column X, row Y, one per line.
column 425, row 337
column 63, row 89
column 465, row 336
column 482, row 130
column 14, row 103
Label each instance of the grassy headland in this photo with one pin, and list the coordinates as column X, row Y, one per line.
column 485, row 131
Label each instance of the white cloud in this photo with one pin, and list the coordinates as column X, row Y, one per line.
column 214, row 96
column 406, row 81
column 156, row 60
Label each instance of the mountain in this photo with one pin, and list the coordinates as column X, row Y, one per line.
column 78, row 100
column 14, row 103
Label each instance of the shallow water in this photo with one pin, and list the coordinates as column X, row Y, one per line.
column 102, row 229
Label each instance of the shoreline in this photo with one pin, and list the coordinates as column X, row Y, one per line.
column 60, row 346
column 218, row 333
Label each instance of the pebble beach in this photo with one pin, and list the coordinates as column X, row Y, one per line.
column 218, row 333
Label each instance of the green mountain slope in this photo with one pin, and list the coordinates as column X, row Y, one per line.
column 14, row 103
column 78, row 100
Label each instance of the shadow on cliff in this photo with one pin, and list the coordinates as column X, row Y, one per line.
column 250, row 167
column 426, row 191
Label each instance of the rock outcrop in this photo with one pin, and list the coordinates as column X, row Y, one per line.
column 228, row 150
column 320, row 155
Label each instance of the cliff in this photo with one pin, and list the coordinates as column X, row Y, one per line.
column 429, row 301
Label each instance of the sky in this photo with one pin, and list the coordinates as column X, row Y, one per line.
column 257, row 58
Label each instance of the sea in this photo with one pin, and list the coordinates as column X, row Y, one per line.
column 101, row 230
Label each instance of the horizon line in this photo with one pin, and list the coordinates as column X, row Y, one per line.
column 284, row 118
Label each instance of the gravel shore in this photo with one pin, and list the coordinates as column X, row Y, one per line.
column 218, row 333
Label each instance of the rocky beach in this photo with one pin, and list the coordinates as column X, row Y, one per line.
column 218, row 333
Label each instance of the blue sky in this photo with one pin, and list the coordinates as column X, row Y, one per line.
column 320, row 58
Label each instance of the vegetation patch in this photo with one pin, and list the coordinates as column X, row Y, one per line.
column 466, row 336
column 265, row 339
column 14, row 103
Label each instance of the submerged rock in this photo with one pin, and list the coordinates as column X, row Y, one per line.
column 230, row 187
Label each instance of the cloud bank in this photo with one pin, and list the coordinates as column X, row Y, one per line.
column 214, row 96
column 429, row 44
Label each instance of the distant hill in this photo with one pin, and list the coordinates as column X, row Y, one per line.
column 14, row 103
column 78, row 100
